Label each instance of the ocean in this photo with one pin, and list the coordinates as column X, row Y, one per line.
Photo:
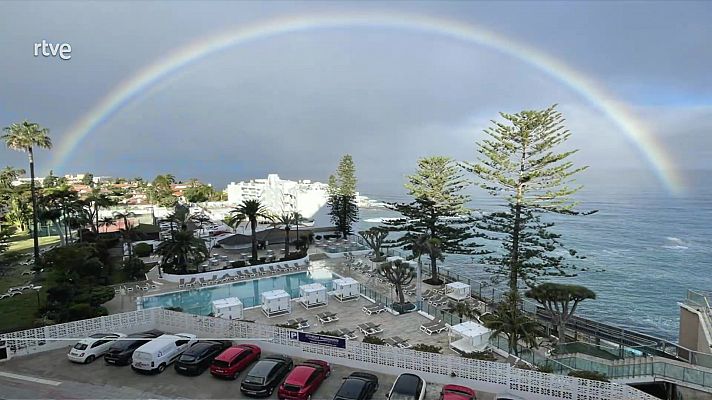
column 651, row 245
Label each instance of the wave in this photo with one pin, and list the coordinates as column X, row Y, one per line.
column 676, row 247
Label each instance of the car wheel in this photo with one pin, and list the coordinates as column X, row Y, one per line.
column 161, row 368
column 89, row 360
column 328, row 374
column 270, row 392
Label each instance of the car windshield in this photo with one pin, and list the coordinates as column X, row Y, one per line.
column 401, row 396
column 254, row 379
column 350, row 389
column 80, row 346
column 221, row 364
column 292, row 388
column 187, row 357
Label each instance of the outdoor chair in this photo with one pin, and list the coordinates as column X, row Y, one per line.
column 191, row 282
column 431, row 329
column 181, row 283
column 374, row 309
column 202, row 281
column 327, row 317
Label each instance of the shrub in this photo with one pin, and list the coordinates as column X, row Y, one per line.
column 373, row 340
column 143, row 250
column 428, row 348
column 546, row 368
column 591, row 375
column 480, row 355
column 134, row 268
column 178, row 309
column 81, row 311
column 239, row 264
column 288, row 326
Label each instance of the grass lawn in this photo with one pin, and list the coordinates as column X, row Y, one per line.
column 18, row 312
column 22, row 243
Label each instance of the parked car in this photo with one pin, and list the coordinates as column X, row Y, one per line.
column 407, row 387
column 265, row 375
column 304, row 380
column 120, row 351
column 505, row 396
column 457, row 392
column 87, row 350
column 232, row 361
column 199, row 356
column 157, row 354
column 357, row 386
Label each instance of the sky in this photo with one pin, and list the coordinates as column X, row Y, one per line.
column 294, row 103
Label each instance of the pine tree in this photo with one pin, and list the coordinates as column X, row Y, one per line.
column 520, row 163
column 438, row 210
column 342, row 196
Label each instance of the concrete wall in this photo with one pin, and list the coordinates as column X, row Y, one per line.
column 693, row 333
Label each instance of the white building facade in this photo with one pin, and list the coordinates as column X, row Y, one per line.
column 280, row 196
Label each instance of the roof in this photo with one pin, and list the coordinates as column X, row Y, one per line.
column 228, row 302
column 147, row 228
column 275, row 294
column 458, row 285
column 345, row 281
column 469, row 329
column 313, row 287
column 272, row 235
column 300, row 374
column 230, row 353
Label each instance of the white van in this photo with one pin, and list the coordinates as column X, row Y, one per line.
column 157, row 354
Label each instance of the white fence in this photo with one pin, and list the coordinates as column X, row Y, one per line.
column 481, row 375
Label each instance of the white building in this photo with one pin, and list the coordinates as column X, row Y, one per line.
column 279, row 195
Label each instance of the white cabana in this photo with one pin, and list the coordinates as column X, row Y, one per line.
column 346, row 289
column 230, row 308
column 457, row 291
column 276, row 302
column 468, row 337
column 313, row 295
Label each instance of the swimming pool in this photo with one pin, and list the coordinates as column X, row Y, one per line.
column 199, row 300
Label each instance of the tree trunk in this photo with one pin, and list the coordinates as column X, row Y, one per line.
column 35, row 233
column 286, row 242
column 514, row 257
column 561, row 328
column 399, row 292
column 253, row 227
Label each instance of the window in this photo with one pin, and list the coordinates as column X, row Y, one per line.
column 181, row 342
column 99, row 343
column 243, row 355
column 312, row 378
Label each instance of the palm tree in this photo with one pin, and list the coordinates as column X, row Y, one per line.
column 25, row 136
column 8, row 175
column 461, row 309
column 250, row 210
column 106, row 222
column 180, row 250
column 286, row 220
column 128, row 231
column 509, row 320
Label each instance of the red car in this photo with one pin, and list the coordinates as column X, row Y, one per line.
column 304, row 380
column 457, row 392
column 230, row 362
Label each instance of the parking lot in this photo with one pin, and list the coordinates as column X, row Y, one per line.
column 98, row 380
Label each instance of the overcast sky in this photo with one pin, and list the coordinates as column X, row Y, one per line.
column 293, row 104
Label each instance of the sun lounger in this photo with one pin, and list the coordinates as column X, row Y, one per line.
column 327, row 317
column 213, row 279
column 225, row 278
column 190, row 283
column 347, row 333
column 202, row 281
column 374, row 309
column 390, row 342
column 181, row 283
column 402, row 343
column 298, row 323
column 430, row 329
column 129, row 289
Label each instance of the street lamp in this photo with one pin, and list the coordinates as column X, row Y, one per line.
column 37, row 290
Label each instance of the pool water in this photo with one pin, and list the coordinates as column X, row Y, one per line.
column 199, row 300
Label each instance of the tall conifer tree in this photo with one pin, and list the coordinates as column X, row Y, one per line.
column 342, row 196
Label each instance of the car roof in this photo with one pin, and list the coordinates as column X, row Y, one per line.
column 264, row 366
column 232, row 352
column 199, row 347
column 352, row 387
column 407, row 384
column 459, row 388
column 363, row 376
column 300, row 374
column 102, row 335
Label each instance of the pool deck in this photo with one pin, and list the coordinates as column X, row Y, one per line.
column 350, row 313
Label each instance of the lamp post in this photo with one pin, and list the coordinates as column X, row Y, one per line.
column 37, row 290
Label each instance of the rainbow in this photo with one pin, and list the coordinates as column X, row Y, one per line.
column 131, row 88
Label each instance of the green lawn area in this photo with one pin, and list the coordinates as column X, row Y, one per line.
column 18, row 312
column 23, row 242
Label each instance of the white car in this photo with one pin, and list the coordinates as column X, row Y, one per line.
column 87, row 350
column 407, row 387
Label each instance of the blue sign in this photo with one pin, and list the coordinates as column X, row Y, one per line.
column 323, row 340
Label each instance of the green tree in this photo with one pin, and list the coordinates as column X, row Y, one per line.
column 106, row 222
column 25, row 136
column 250, row 210
column 182, row 250
column 161, row 191
column 342, row 196
column 461, row 309
column 521, row 163
column 9, row 175
column 88, row 179
column 399, row 273
column 438, row 210
column 561, row 301
column 511, row 321
column 374, row 238
column 127, row 231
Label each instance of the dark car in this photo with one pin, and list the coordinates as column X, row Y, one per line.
column 304, row 380
column 265, row 375
column 232, row 361
column 407, row 387
column 121, row 351
column 199, row 356
column 457, row 392
column 357, row 386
